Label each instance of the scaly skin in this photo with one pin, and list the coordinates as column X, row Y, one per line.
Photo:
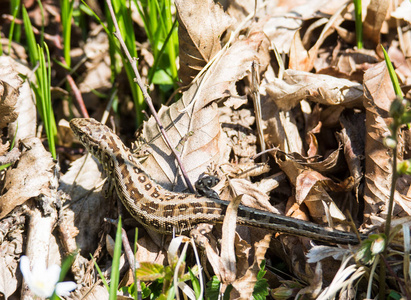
column 163, row 210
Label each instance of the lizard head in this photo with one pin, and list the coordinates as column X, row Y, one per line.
column 98, row 139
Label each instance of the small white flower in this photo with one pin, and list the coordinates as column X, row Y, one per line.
column 43, row 281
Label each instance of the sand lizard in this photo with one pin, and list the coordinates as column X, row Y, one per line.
column 163, row 210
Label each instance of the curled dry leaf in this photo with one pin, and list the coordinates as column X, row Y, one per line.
column 7, row 103
column 87, row 209
column 376, row 12
column 378, row 169
column 312, row 187
column 323, row 89
column 378, row 160
column 32, row 177
column 352, row 136
column 228, row 258
column 280, row 127
column 201, row 24
column 244, row 286
column 11, row 248
column 252, row 195
column 22, row 108
column 303, row 60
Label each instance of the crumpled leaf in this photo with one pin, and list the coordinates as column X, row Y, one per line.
column 323, row 89
column 10, row 249
column 303, row 60
column 378, row 160
column 201, row 24
column 32, row 177
column 24, row 107
column 244, row 286
column 8, row 102
column 312, row 187
column 252, row 195
column 193, row 127
column 352, row 137
column 87, row 209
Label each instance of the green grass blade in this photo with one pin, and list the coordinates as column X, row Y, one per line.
column 358, row 23
column 66, row 16
column 31, row 40
column 15, row 5
column 100, row 273
column 115, row 268
column 393, row 76
column 42, row 22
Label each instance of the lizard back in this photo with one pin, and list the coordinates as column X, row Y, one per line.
column 163, row 210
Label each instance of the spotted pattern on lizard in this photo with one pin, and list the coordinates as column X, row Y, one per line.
column 163, row 210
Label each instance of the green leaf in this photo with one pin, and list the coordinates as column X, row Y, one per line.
column 213, row 289
column 145, row 291
column 260, row 291
column 195, row 283
column 149, row 271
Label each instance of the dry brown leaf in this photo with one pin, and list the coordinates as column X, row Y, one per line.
column 378, row 167
column 98, row 72
column 312, row 189
column 288, row 16
column 88, row 206
column 376, row 12
column 236, row 125
column 228, row 257
column 32, row 177
column 280, row 127
column 323, row 89
column 252, row 196
column 196, row 133
column 24, row 104
column 299, row 59
column 403, row 11
column 352, row 137
column 10, row 249
column 148, row 251
column 350, row 64
column 244, row 286
column 402, row 68
column 201, row 24
column 8, row 102
column 308, row 57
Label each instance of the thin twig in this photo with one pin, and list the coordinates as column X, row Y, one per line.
column 146, row 96
column 389, row 213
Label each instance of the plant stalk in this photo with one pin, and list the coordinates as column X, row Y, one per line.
column 389, row 213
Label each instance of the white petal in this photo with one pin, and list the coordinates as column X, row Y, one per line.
column 53, row 274
column 25, row 268
column 39, row 269
column 42, row 288
column 64, row 288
